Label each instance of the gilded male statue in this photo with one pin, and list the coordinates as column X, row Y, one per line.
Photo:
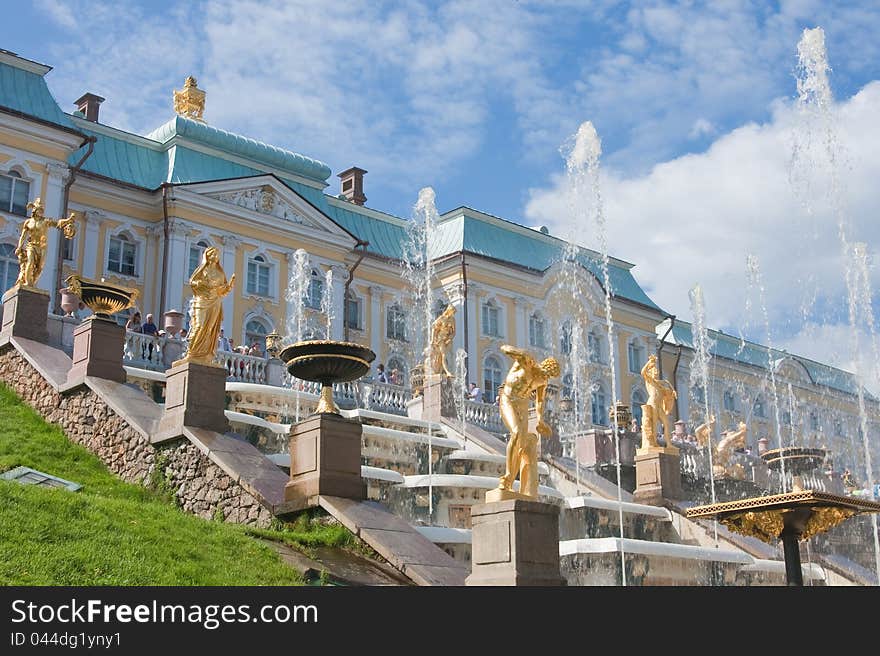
column 32, row 241
column 661, row 401
column 442, row 332
column 209, row 286
column 525, row 378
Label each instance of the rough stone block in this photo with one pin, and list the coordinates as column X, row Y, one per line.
column 97, row 351
column 658, row 476
column 195, row 396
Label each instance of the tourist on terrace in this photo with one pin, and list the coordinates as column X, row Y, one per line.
column 381, row 376
column 134, row 323
column 223, row 343
column 151, row 329
column 475, row 393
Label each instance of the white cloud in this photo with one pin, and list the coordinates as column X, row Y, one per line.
column 702, row 128
column 58, row 12
column 694, row 219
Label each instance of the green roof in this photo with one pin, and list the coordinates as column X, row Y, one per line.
column 23, row 89
column 482, row 234
column 234, row 144
column 739, row 350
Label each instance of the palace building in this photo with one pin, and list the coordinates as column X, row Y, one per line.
column 148, row 206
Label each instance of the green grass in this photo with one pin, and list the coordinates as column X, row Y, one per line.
column 114, row 533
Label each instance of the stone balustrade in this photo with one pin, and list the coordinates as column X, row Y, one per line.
column 484, row 415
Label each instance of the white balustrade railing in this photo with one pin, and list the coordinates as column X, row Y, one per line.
column 485, row 415
column 144, row 351
column 243, row 368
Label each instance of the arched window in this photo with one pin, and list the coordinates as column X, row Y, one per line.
column 536, row 330
column 594, row 346
column 491, row 318
column 259, row 275
column 122, row 256
column 315, row 291
column 565, row 338
column 255, row 331
column 599, row 405
column 491, row 378
column 396, row 323
column 14, row 193
column 398, row 365
column 638, row 400
column 8, row 265
column 195, row 256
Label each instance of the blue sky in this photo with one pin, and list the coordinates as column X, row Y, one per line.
column 692, row 101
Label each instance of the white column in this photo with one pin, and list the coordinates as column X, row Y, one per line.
column 340, row 275
column 376, row 327
column 474, row 293
column 227, row 261
column 521, row 309
column 175, row 267
column 94, row 219
column 153, row 283
column 52, row 206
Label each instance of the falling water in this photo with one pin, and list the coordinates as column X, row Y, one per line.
column 418, row 272
column 754, row 271
column 582, row 164
column 461, row 385
column 297, row 289
column 700, row 374
column 327, row 302
column 815, row 100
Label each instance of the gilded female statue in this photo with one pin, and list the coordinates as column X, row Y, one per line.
column 209, row 286
column 31, row 249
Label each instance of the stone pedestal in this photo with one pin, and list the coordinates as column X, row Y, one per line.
column 325, row 459
column 437, row 398
column 97, row 351
column 25, row 312
column 195, row 395
column 658, row 475
column 515, row 542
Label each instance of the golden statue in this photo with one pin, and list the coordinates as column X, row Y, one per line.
column 31, row 249
column 661, row 401
column 442, row 332
column 704, row 431
column 525, row 378
column 723, row 450
column 190, row 101
column 209, row 286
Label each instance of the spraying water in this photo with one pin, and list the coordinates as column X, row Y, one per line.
column 754, row 271
column 418, row 272
column 297, row 291
column 700, row 373
column 815, row 101
column 327, row 302
column 461, row 388
column 582, row 165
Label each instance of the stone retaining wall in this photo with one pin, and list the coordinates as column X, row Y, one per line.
column 199, row 485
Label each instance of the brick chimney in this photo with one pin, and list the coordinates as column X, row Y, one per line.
column 89, row 104
column 353, row 185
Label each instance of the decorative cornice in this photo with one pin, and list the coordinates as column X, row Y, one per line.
column 58, row 171
column 94, row 218
column 230, row 242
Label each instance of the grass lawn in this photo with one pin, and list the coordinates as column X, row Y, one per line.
column 115, row 533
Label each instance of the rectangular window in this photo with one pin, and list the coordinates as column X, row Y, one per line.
column 490, row 320
column 396, row 324
column 122, row 256
column 593, row 348
column 352, row 313
column 14, row 194
column 635, row 358
column 258, row 278
column 68, row 249
column 536, row 332
column 729, row 402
